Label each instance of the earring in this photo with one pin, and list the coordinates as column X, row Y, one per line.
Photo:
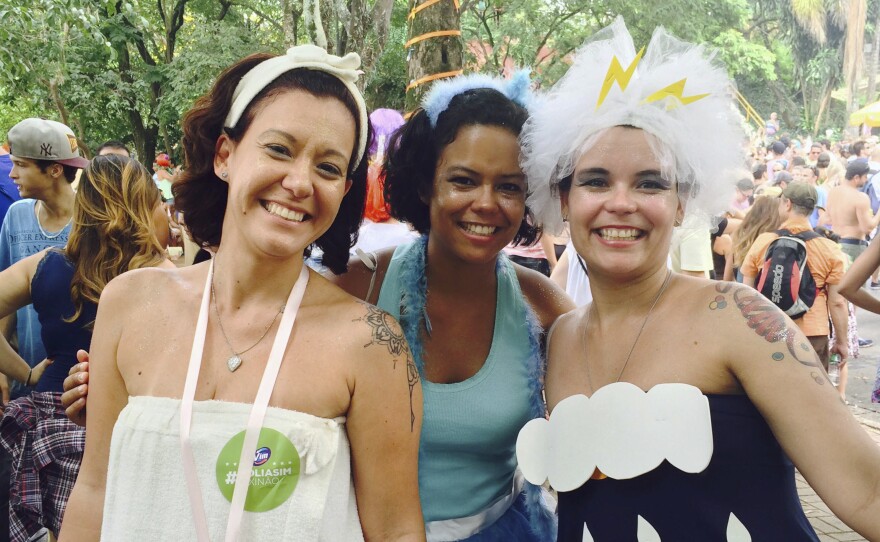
column 677, row 222
column 224, row 175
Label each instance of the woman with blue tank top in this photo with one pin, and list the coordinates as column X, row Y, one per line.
column 473, row 319
column 679, row 406
column 117, row 214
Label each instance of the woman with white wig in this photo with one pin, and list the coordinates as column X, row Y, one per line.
column 678, row 405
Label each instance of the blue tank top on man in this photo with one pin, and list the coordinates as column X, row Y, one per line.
column 467, row 453
column 50, row 293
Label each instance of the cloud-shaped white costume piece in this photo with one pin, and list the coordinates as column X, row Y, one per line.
column 622, row 430
column 736, row 531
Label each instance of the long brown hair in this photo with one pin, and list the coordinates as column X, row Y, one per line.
column 113, row 228
column 762, row 217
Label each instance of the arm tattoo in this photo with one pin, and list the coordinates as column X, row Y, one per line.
column 769, row 322
column 384, row 331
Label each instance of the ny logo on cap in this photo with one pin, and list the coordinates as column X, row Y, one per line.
column 46, row 149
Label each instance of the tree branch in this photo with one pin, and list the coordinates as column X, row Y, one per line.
column 553, row 26
column 381, row 17
column 557, row 57
column 482, row 16
column 171, row 30
column 224, row 9
column 265, row 17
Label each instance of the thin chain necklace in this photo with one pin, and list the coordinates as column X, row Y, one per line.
column 234, row 361
column 635, row 342
column 39, row 225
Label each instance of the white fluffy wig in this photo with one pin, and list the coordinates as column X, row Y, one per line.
column 678, row 93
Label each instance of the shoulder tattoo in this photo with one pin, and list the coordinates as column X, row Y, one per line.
column 765, row 319
column 384, row 331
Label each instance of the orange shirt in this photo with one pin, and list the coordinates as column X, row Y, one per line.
column 826, row 263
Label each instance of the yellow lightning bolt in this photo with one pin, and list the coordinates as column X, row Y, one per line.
column 617, row 73
column 675, row 90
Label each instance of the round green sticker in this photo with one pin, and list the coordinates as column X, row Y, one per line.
column 275, row 474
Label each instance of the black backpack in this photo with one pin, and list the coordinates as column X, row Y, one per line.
column 785, row 277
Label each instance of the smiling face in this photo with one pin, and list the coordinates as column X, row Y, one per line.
column 621, row 210
column 288, row 174
column 479, row 190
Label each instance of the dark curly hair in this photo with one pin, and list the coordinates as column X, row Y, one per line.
column 201, row 195
column 416, row 148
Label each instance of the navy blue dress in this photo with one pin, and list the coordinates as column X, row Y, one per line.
column 34, row 429
column 50, row 293
column 749, row 475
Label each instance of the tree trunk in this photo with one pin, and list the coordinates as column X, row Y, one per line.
column 150, row 138
column 871, row 93
column 361, row 21
column 826, row 99
column 432, row 56
column 64, row 115
column 290, row 20
column 166, row 140
column 323, row 21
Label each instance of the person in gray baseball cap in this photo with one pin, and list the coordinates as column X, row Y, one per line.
column 45, row 159
column 46, row 140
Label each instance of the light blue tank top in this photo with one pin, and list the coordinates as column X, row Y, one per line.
column 467, row 454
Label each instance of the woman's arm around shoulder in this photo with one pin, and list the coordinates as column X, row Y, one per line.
column 546, row 298
column 782, row 375
column 559, row 275
column 384, row 421
column 107, row 397
column 363, row 279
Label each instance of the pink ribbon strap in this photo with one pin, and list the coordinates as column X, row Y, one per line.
column 255, row 422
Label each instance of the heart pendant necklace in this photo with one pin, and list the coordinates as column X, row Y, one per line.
column 234, row 361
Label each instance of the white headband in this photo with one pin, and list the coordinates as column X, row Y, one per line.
column 310, row 57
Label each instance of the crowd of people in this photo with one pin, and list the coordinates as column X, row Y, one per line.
column 576, row 315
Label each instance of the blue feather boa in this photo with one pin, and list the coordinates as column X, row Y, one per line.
column 414, row 282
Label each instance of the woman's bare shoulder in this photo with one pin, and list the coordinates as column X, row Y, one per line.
column 361, row 335
column 155, row 284
column 546, row 298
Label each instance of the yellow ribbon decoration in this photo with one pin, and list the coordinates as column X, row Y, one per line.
column 429, row 35
column 429, row 78
column 427, row 4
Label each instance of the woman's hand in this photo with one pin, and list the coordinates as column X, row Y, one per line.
column 76, row 388
column 37, row 372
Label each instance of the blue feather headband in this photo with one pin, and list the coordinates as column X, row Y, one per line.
column 517, row 89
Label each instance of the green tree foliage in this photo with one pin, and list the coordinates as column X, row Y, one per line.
column 128, row 69
column 541, row 34
column 120, row 69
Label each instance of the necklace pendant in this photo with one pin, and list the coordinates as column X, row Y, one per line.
column 233, row 363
